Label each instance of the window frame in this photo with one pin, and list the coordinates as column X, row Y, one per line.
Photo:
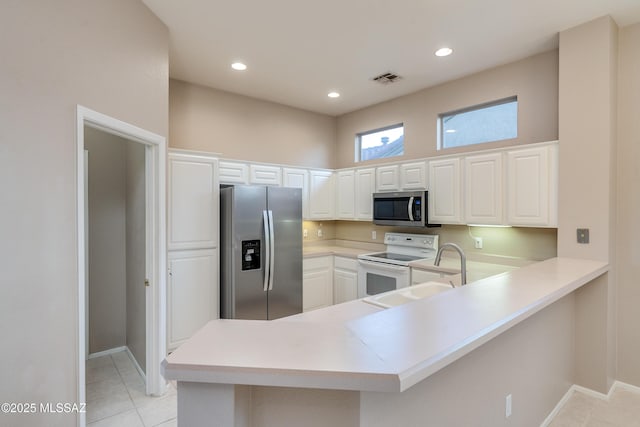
column 358, row 142
column 441, row 116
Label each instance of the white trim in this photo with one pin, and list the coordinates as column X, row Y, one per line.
column 135, row 363
column 625, row 386
column 115, row 350
column 156, row 293
column 595, row 394
column 107, row 352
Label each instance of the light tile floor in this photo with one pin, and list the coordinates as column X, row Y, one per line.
column 116, row 396
column 622, row 409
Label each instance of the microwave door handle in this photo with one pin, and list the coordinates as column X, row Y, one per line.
column 410, row 208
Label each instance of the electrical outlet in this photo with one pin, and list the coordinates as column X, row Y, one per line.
column 507, row 406
column 374, row 235
column 478, row 242
column 319, row 232
column 305, row 233
column 583, row 235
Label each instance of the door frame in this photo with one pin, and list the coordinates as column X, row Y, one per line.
column 156, row 244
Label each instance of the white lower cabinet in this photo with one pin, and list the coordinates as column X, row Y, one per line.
column 192, row 294
column 317, row 282
column 345, row 279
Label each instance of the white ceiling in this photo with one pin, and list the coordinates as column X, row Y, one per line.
column 297, row 51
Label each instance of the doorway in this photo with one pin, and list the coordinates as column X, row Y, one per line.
column 137, row 227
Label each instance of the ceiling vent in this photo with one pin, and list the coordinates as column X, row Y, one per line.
column 387, row 78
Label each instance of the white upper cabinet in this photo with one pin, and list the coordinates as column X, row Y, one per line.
column 321, row 194
column 298, row 178
column 445, row 191
column 193, row 202
column 483, row 189
column 265, row 175
column 233, row 172
column 365, row 187
column 532, row 186
column 413, row 176
column 345, row 189
column 388, row 178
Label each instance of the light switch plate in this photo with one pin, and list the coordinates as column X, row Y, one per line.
column 583, row 235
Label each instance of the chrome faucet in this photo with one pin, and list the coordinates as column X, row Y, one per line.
column 463, row 260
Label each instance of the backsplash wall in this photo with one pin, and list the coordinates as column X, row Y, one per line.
column 518, row 242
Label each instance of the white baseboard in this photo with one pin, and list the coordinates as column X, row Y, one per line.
column 576, row 388
column 118, row 350
column 135, row 363
column 107, row 352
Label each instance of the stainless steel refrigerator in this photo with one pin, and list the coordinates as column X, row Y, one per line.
column 261, row 252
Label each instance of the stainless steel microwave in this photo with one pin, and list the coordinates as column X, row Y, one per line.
column 405, row 208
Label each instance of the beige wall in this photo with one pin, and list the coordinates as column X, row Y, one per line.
column 107, row 219
column 517, row 242
column 534, row 80
column 136, row 338
column 111, row 56
column 587, row 112
column 239, row 127
column 627, row 259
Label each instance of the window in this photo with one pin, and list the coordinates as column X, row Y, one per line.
column 380, row 143
column 484, row 123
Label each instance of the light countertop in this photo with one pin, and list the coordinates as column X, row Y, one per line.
column 355, row 346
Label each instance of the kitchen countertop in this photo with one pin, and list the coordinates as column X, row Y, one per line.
column 354, row 346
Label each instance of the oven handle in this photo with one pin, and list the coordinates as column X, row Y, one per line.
column 383, row 266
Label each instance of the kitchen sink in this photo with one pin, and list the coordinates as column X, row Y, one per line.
column 405, row 295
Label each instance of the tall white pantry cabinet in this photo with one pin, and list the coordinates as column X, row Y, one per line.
column 193, row 207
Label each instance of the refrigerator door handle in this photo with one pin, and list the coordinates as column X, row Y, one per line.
column 267, row 251
column 272, row 250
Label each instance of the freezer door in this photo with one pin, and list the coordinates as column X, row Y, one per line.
column 242, row 232
column 285, row 296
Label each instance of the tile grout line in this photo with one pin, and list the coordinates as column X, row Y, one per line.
column 135, row 405
column 125, row 386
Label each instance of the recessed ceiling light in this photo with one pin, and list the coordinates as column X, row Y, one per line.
column 333, row 95
column 450, row 131
column 445, row 51
column 238, row 66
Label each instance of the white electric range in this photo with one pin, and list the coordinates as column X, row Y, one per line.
column 386, row 271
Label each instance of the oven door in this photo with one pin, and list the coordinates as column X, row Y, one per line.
column 377, row 277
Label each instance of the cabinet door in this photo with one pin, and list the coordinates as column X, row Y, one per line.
column 321, row 194
column 445, row 192
column 413, row 176
column 317, row 283
column 193, row 202
column 192, row 293
column 233, row 173
column 298, row 178
column 365, row 187
column 265, row 175
column 345, row 280
column 530, row 193
column 345, row 190
column 483, row 189
column 387, row 178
